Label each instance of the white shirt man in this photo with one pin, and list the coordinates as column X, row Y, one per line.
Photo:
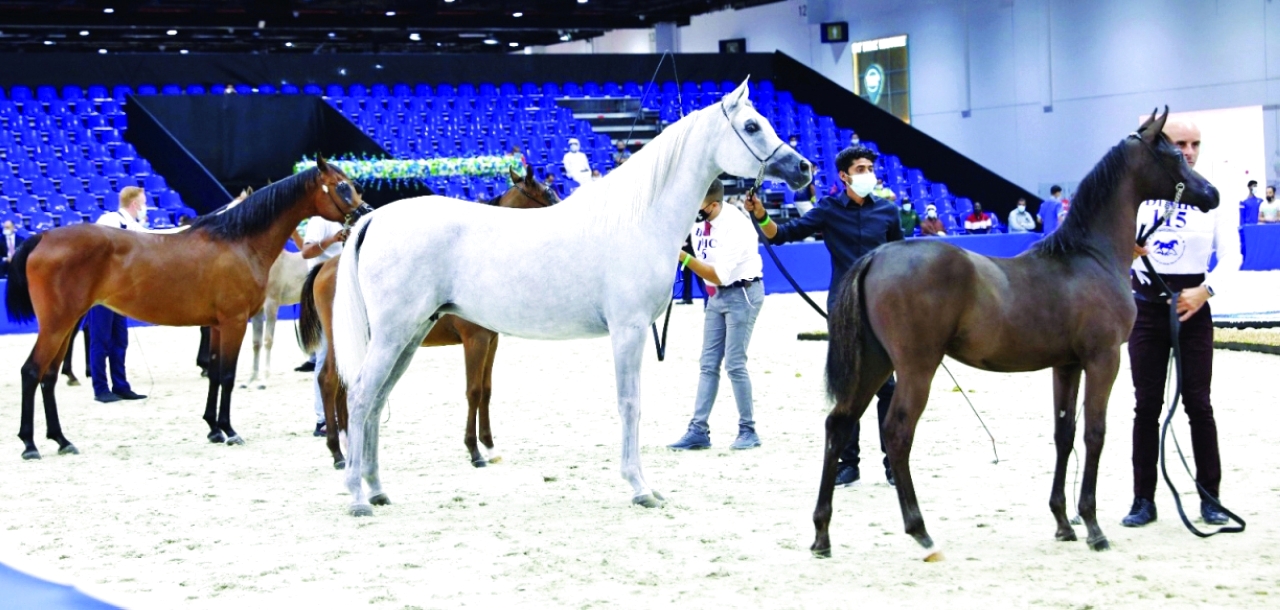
column 575, row 162
column 1020, row 220
column 727, row 244
column 322, row 240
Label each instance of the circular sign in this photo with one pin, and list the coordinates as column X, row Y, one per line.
column 873, row 81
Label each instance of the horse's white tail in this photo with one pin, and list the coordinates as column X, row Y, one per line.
column 350, row 317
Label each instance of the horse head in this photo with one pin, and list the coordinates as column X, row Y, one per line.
column 757, row 149
column 536, row 194
column 337, row 197
column 1163, row 168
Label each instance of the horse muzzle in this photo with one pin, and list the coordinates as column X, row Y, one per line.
column 793, row 169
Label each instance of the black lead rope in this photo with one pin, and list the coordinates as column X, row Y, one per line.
column 1175, row 327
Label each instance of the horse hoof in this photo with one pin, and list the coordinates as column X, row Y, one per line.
column 821, row 553
column 1066, row 536
column 68, row 449
column 934, row 557
column 380, row 500
column 480, row 463
column 217, row 438
column 649, row 500
column 262, row 386
column 31, row 454
column 244, row 386
column 361, row 510
column 495, row 459
column 235, row 440
column 340, row 465
column 73, row 382
column 1099, row 544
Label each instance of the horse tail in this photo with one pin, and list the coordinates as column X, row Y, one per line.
column 350, row 316
column 850, row 332
column 309, row 330
column 17, row 295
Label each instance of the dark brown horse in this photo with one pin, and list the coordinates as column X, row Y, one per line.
column 1065, row 304
column 478, row 344
column 213, row 274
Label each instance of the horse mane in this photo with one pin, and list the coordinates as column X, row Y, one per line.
column 623, row 196
column 259, row 210
column 1074, row 234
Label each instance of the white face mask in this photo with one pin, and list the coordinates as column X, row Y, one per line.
column 862, row 184
column 8, row 232
column 573, row 148
column 931, row 214
column 1022, row 207
column 906, row 207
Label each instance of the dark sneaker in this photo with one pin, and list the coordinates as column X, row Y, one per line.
column 686, row 301
column 1212, row 515
column 307, row 367
column 130, row 395
column 693, row 439
column 320, row 430
column 1142, row 513
column 747, row 438
column 847, row 475
column 106, row 397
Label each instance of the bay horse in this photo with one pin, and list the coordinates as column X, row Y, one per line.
column 212, row 274
column 284, row 287
column 479, row 344
column 597, row 264
column 1064, row 304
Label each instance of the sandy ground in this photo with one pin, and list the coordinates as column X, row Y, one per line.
column 151, row 515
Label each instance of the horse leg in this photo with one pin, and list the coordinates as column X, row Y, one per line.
column 1100, row 373
column 899, row 429
column 327, row 377
column 256, row 320
column 384, row 363
column 232, row 337
column 52, row 426
column 268, row 341
column 50, row 345
column 475, row 348
column 486, row 433
column 628, row 352
column 876, row 368
column 1066, row 387
column 211, row 403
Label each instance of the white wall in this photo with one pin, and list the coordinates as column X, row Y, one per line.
column 616, row 41
column 1098, row 63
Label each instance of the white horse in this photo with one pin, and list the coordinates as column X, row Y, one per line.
column 284, row 287
column 599, row 263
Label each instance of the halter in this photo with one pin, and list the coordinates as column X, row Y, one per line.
column 351, row 216
column 1168, row 205
column 546, row 190
column 763, row 161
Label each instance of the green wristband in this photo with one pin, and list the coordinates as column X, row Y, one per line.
column 684, row 262
column 766, row 221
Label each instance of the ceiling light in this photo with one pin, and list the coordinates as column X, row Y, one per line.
column 517, row 15
column 49, row 43
column 415, row 37
column 391, row 13
column 582, row 1
column 183, row 51
column 513, row 44
column 102, row 51
column 486, row 41
column 288, row 44
column 172, row 32
column 332, row 35
column 448, row 1
column 108, row 10
column 565, row 37
column 84, row 32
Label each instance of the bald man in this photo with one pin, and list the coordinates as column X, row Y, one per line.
column 1180, row 252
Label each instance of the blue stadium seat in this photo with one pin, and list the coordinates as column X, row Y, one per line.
column 95, row 92
column 288, row 89
column 120, row 92
column 147, row 90
column 508, row 89
column 591, row 89
column 379, row 90
column 84, row 203
column 422, row 90
column 99, row 185
column 55, row 203
column 335, row 90
column 312, row 89
column 20, row 93
column 69, row 218
column 155, row 183
column 27, row 205
column 195, row 90
column 84, row 168
column 244, row 89
column 571, row 90
column 139, row 167
column 171, row 90
column 71, row 186
column 125, row 152
column 113, row 168
column 72, row 92
column 13, row 188
column 46, row 93
column 267, row 89
column 357, row 90
column 42, row 187
column 40, row 222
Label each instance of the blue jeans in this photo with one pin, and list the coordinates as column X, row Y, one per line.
column 726, row 332
column 108, row 340
column 315, row 383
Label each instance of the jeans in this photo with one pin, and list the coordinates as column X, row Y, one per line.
column 108, row 340
column 1149, row 347
column 319, row 356
column 726, row 332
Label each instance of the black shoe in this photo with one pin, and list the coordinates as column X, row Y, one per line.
column 1212, row 514
column 686, row 301
column 307, row 367
column 847, row 475
column 1142, row 513
column 130, row 395
column 106, row 397
column 320, row 430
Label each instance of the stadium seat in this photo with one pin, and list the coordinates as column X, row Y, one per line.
column 312, row 89
column 147, row 90
column 267, row 89
column 195, row 90
column 287, row 89
column 244, row 89
column 69, row 218
column 171, row 90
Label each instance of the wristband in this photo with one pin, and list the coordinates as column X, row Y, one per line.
column 684, row 260
column 766, row 221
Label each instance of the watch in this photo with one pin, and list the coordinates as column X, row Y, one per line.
column 1210, row 290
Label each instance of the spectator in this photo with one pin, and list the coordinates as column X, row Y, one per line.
column 1269, row 210
column 322, row 241
column 854, row 140
column 931, row 225
column 595, row 175
column 978, row 222
column 883, row 191
column 793, row 141
column 1249, row 207
column 621, row 153
column 1062, row 214
column 576, row 166
column 11, row 241
column 853, row 223
column 1055, row 193
column 725, row 254
column 229, row 89
column 908, row 218
column 1020, row 220
column 515, row 153
column 108, row 330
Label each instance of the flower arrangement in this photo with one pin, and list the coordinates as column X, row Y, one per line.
column 376, row 172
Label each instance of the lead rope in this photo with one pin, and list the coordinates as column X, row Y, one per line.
column 768, row 247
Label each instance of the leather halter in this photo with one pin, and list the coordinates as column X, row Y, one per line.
column 763, row 161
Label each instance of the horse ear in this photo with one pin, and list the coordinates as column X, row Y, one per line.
column 1158, row 127
column 248, row 190
column 528, row 174
column 321, row 164
column 733, row 98
column 515, row 178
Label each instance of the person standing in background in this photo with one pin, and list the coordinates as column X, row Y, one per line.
column 108, row 330
column 1249, row 207
column 322, row 241
column 1020, row 220
column 576, row 165
column 1269, row 209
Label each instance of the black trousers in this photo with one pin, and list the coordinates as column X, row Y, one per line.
column 1149, row 348
column 71, row 349
column 883, row 396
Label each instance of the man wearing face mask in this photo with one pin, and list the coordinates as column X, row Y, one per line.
column 1269, row 211
column 931, row 226
column 108, row 330
column 1020, row 220
column 576, row 165
column 725, row 254
column 11, row 242
column 908, row 219
column 853, row 222
column 1249, row 206
column 978, row 222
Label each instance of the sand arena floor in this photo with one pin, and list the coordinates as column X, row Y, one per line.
column 152, row 515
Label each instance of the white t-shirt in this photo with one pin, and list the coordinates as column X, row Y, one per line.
column 318, row 230
column 729, row 245
column 577, row 167
column 1182, row 246
column 1269, row 211
column 120, row 220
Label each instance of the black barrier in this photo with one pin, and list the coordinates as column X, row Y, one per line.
column 184, row 173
